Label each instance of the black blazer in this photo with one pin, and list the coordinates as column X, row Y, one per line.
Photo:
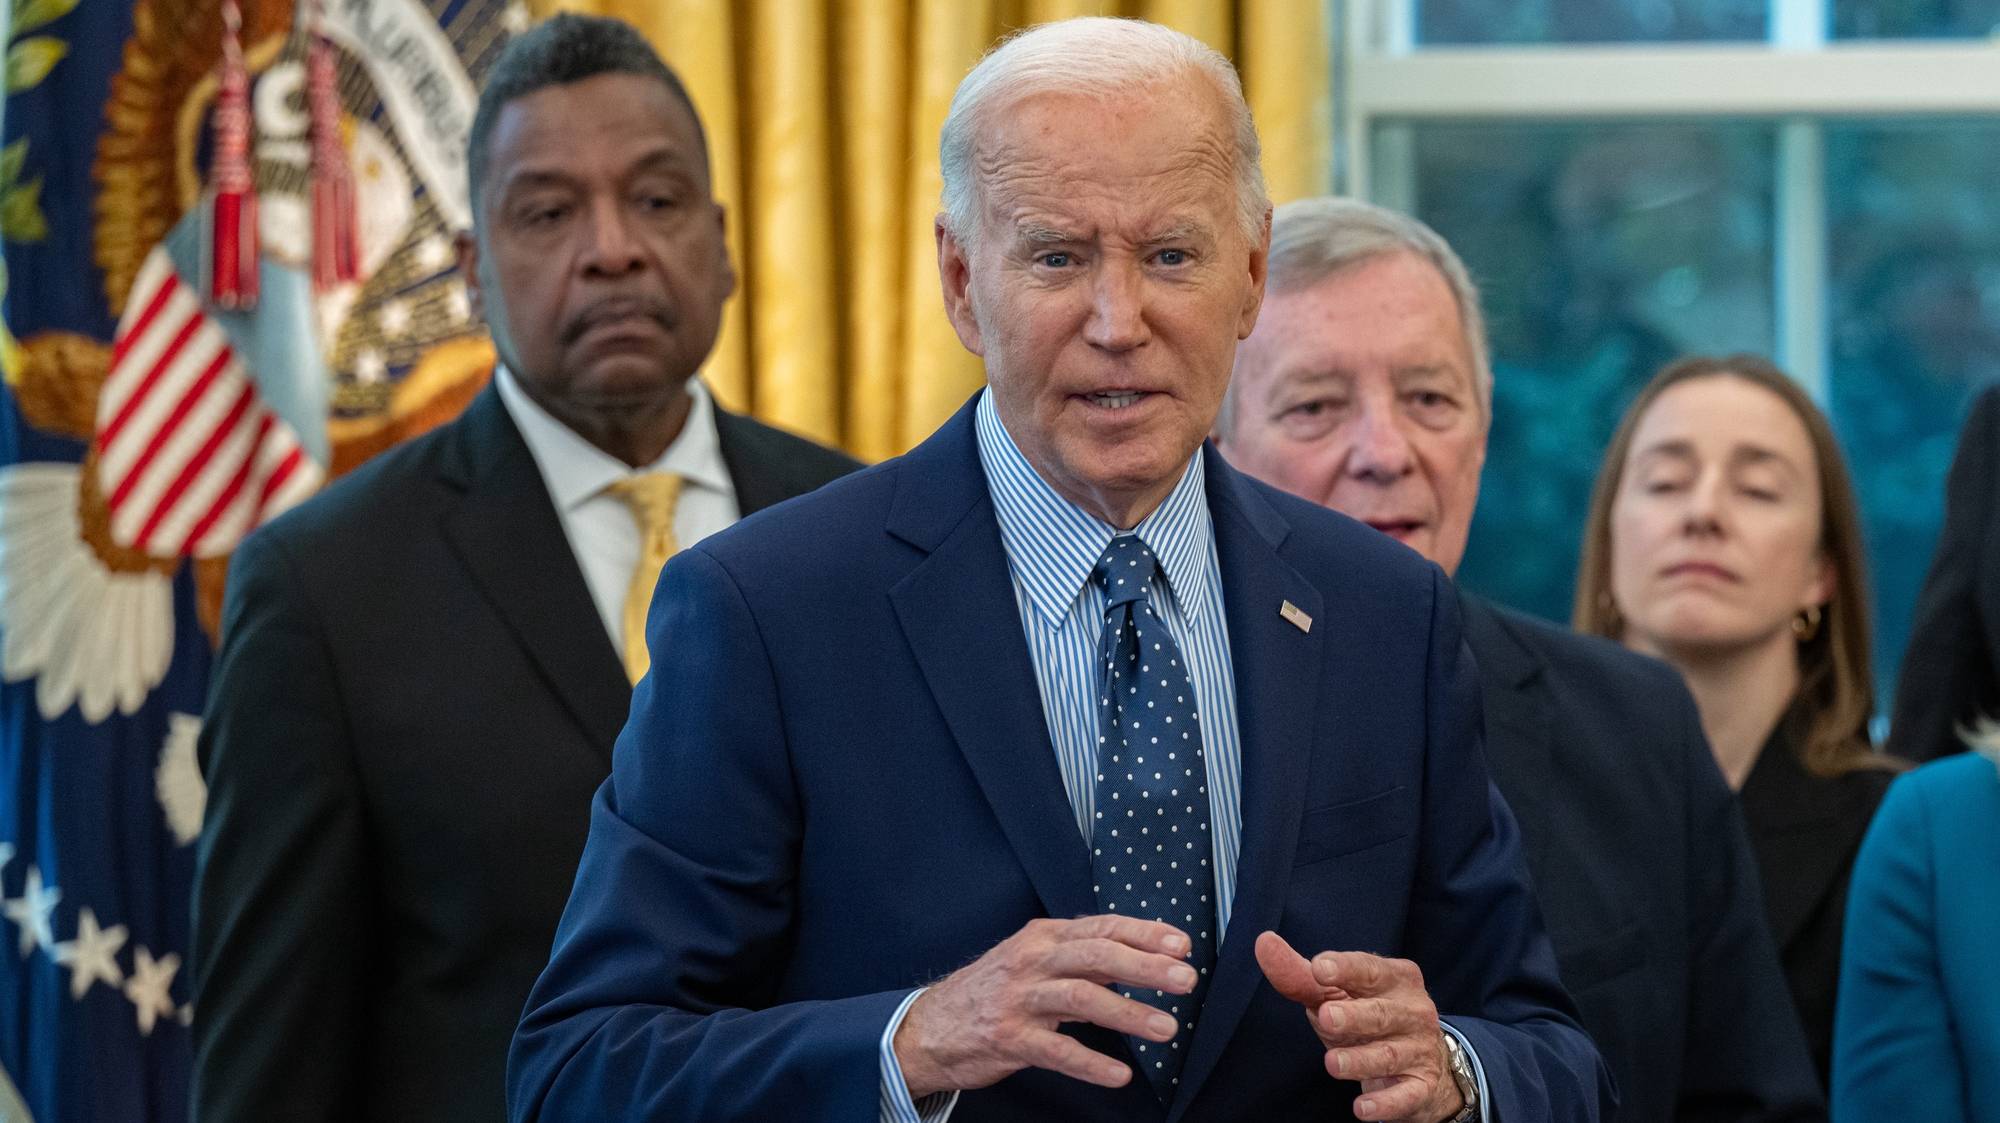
column 1951, row 672
column 1644, row 874
column 1806, row 831
column 414, row 703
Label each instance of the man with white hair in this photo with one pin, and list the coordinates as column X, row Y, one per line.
column 1001, row 781
column 1366, row 388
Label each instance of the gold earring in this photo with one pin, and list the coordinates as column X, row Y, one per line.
column 1805, row 626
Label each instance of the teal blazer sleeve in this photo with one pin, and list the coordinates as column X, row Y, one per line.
column 1919, row 987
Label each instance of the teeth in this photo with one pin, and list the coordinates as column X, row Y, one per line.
column 1119, row 400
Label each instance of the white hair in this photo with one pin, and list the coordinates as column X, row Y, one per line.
column 1313, row 239
column 1095, row 56
column 1983, row 738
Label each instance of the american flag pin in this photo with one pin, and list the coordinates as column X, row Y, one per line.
column 1296, row 616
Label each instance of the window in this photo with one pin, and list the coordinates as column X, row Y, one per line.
column 1631, row 180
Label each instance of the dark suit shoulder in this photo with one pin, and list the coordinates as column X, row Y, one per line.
column 818, row 533
column 803, row 457
column 379, row 495
column 1631, row 683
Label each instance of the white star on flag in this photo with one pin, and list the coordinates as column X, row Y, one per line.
column 93, row 955
column 370, row 369
column 32, row 910
column 434, row 253
column 394, row 317
column 148, row 986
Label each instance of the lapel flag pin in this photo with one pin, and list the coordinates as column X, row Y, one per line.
column 1296, row 616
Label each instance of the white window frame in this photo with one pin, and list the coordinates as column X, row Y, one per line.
column 1384, row 83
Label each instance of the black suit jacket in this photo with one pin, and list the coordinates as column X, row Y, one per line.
column 1951, row 672
column 1807, row 830
column 1644, row 874
column 414, row 703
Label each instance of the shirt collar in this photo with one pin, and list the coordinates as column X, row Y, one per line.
column 1053, row 544
column 575, row 471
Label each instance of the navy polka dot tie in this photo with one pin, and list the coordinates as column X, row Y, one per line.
column 1149, row 839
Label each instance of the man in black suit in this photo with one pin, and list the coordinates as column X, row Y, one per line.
column 1951, row 672
column 1365, row 387
column 421, row 674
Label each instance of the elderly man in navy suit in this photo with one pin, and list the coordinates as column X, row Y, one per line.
column 1366, row 387
column 1001, row 781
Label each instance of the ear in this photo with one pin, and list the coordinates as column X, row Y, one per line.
column 1820, row 591
column 1260, row 262
column 726, row 276
column 955, row 276
column 468, row 270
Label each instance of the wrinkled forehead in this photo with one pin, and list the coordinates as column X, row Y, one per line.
column 1162, row 153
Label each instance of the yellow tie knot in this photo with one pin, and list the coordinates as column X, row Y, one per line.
column 651, row 496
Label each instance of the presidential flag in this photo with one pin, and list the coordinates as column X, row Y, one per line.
column 165, row 392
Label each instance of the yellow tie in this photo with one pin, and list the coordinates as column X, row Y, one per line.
column 651, row 496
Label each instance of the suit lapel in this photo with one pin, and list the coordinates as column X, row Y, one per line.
column 1279, row 696
column 758, row 485
column 1520, row 717
column 957, row 611
column 505, row 532
column 1803, row 829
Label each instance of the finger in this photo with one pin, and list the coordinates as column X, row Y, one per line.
column 1288, row 971
column 1400, row 1098
column 1146, row 935
column 1047, row 1049
column 1355, row 1021
column 1075, row 1000
column 1108, row 961
column 1365, row 975
column 1392, row 1057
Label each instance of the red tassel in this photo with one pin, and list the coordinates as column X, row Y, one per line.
column 230, row 261
column 336, row 254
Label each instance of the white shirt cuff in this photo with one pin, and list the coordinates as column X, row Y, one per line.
column 897, row 1107
column 1471, row 1054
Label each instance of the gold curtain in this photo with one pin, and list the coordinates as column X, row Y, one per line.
column 823, row 119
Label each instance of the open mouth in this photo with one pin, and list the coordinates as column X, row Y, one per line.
column 1117, row 399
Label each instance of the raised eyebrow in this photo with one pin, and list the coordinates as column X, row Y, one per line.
column 1035, row 234
column 1185, row 231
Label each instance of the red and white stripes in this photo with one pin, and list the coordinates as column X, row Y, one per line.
column 188, row 458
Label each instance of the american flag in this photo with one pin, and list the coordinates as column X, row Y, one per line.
column 189, row 455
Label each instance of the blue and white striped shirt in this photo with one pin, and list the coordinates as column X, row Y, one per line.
column 1052, row 545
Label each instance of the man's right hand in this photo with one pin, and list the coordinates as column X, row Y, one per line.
column 1001, row 1013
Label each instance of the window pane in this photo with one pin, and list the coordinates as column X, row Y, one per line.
column 1915, row 19
column 1915, row 303
column 1441, row 22
column 1603, row 251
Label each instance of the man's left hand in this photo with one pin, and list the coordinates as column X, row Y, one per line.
column 1378, row 1026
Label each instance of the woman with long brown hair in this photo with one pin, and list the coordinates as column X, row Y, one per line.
column 1724, row 538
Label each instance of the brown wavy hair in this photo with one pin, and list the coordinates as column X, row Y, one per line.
column 1836, row 685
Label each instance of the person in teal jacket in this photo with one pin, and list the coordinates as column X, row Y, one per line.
column 1917, row 1033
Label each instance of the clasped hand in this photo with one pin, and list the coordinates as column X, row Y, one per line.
column 1004, row 1012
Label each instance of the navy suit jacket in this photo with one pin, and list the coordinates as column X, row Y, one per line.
column 837, row 785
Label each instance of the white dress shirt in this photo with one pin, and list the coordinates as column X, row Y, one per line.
column 601, row 530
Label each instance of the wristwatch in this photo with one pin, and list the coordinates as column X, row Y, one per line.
column 1461, row 1075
